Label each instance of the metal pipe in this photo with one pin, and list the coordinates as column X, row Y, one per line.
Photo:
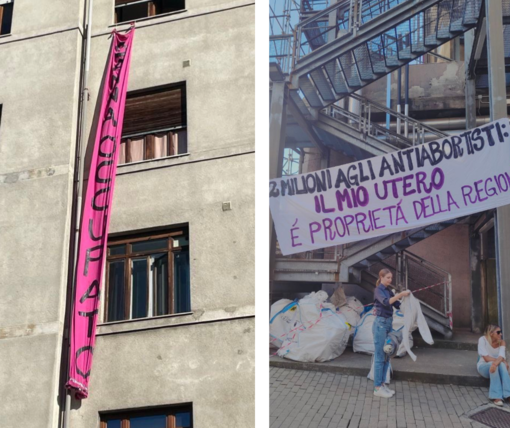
column 445, row 124
column 388, row 98
column 406, row 101
column 80, row 150
column 399, row 98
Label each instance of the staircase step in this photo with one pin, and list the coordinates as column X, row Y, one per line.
column 442, row 366
column 459, row 341
column 405, row 53
column 392, row 61
column 431, row 40
column 336, row 77
column 322, row 84
column 310, row 92
column 457, row 26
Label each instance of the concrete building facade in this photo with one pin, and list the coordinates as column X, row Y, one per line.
column 199, row 361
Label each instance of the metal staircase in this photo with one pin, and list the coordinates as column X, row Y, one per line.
column 360, row 129
column 353, row 43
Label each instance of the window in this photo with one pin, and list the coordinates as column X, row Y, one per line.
column 154, row 124
column 172, row 417
column 6, row 7
column 126, row 10
column 148, row 275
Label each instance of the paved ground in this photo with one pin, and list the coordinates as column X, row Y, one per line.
column 311, row 399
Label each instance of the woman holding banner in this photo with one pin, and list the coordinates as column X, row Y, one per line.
column 492, row 364
column 384, row 301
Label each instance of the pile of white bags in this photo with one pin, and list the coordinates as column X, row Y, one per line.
column 313, row 332
column 363, row 338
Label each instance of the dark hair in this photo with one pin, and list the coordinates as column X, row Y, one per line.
column 382, row 274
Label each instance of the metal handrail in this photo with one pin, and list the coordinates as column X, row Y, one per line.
column 398, row 115
column 366, row 127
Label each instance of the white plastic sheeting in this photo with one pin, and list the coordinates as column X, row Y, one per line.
column 413, row 316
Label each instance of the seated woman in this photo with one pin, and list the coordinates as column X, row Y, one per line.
column 492, row 364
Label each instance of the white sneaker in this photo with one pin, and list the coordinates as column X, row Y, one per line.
column 498, row 403
column 382, row 392
column 391, row 391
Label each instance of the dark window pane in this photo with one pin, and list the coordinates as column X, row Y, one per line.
column 165, row 6
column 130, row 13
column 182, row 138
column 139, row 288
column 117, row 250
column 5, row 25
column 183, row 420
column 160, row 280
column 158, row 421
column 182, row 301
column 116, row 298
column 154, row 244
column 113, row 424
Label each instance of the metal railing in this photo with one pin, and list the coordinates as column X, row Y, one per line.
column 431, row 284
column 403, row 132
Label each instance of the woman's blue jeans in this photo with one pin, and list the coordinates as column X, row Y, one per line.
column 380, row 330
column 500, row 380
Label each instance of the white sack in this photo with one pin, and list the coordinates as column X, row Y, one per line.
column 323, row 341
column 355, row 304
column 284, row 317
column 350, row 315
column 363, row 340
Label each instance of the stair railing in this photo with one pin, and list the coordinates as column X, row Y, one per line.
column 419, row 130
column 432, row 284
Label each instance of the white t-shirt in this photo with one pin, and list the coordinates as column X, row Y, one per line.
column 485, row 349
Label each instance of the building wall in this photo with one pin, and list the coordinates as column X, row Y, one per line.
column 39, row 86
column 449, row 249
column 205, row 357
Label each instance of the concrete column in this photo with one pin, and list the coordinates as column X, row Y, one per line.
column 470, row 93
column 477, row 297
column 498, row 108
column 277, row 125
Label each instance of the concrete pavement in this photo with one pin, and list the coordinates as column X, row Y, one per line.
column 314, row 399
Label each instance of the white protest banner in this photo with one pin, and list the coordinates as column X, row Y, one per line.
column 425, row 184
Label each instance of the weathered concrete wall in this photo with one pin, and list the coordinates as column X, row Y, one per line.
column 205, row 357
column 210, row 365
column 449, row 249
column 38, row 91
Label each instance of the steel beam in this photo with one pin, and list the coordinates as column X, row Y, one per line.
column 498, row 110
column 470, row 93
column 277, row 125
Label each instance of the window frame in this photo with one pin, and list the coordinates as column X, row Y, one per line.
column 129, row 256
column 4, row 3
column 127, row 138
column 126, row 415
column 151, row 10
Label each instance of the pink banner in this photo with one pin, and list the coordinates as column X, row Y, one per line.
column 96, row 214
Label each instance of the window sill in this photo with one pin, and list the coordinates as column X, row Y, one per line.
column 146, row 18
column 148, row 164
column 198, row 316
